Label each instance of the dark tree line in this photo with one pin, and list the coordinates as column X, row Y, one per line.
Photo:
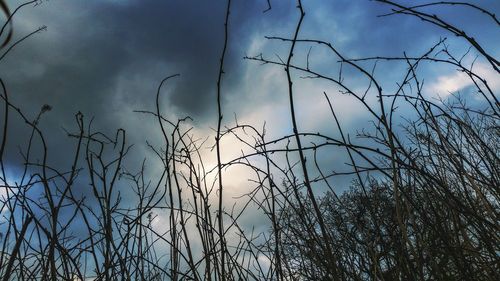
column 423, row 203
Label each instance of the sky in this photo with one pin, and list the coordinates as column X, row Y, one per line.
column 106, row 59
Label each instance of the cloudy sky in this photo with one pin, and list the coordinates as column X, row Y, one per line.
column 106, row 58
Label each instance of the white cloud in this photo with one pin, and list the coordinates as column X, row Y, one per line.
column 447, row 84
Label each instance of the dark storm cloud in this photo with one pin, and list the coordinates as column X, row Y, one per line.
column 96, row 53
column 104, row 41
column 94, row 45
column 184, row 35
column 187, row 36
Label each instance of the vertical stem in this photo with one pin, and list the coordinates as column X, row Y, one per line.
column 307, row 183
column 17, row 246
column 217, row 143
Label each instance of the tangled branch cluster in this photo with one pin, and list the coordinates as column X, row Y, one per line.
column 423, row 203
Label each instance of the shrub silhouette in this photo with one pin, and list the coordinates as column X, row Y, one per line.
column 423, row 203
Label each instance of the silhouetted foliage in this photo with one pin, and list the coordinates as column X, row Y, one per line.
column 423, row 203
